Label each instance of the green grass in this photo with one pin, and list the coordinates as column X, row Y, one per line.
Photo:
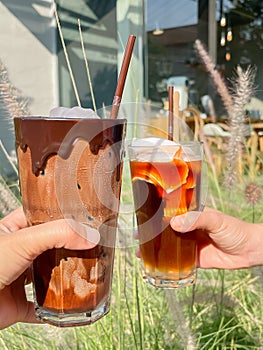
column 224, row 310
column 226, row 314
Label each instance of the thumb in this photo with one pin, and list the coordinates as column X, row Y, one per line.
column 210, row 220
column 20, row 248
column 227, row 232
column 187, row 222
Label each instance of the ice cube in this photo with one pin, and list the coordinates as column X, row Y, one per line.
column 153, row 149
column 188, row 154
column 151, row 141
column 73, row 112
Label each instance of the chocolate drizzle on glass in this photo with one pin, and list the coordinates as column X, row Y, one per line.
column 47, row 136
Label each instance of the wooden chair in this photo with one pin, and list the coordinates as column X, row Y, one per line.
column 198, row 126
column 216, row 135
column 192, row 117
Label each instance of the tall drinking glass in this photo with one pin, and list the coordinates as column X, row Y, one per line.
column 166, row 181
column 71, row 168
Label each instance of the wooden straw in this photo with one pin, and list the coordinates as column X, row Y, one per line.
column 122, row 77
column 176, row 99
column 171, row 110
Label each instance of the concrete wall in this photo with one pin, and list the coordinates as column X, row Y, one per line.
column 27, row 51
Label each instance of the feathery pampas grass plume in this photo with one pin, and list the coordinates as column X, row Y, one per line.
column 8, row 201
column 242, row 91
column 14, row 103
column 253, row 193
column 214, row 74
column 234, row 100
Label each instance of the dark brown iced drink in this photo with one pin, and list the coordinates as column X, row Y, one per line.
column 71, row 168
column 166, row 181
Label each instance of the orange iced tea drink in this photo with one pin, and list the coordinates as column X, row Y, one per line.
column 166, row 181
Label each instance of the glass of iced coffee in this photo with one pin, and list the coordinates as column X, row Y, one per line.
column 166, row 181
column 71, row 168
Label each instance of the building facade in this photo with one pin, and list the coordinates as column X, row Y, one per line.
column 33, row 55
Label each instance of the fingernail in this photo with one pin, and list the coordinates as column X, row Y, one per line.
column 190, row 219
column 185, row 222
column 177, row 222
column 4, row 229
column 92, row 235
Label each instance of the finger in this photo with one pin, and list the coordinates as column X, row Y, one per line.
column 209, row 220
column 138, row 253
column 23, row 246
column 186, row 222
column 211, row 257
column 30, row 316
column 68, row 234
column 227, row 233
column 136, row 235
column 15, row 307
column 13, row 221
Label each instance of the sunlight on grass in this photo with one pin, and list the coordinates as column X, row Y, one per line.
column 223, row 311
